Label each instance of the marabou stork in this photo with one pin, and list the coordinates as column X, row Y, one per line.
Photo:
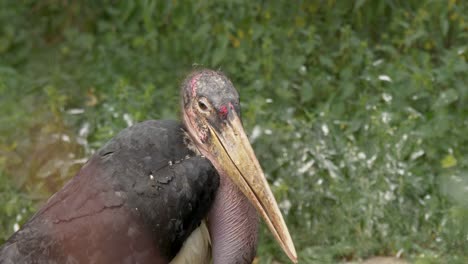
column 161, row 192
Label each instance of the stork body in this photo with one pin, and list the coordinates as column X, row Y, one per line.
column 144, row 197
column 135, row 201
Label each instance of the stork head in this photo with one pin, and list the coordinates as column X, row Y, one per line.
column 211, row 114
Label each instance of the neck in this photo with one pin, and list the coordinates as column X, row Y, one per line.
column 232, row 221
column 233, row 225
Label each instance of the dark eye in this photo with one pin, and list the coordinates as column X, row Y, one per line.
column 202, row 106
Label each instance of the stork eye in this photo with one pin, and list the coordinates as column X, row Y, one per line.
column 202, row 106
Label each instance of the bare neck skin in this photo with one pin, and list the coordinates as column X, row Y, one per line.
column 233, row 224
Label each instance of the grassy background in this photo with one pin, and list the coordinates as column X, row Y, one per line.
column 357, row 110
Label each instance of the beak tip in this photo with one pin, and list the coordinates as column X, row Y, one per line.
column 287, row 244
column 292, row 254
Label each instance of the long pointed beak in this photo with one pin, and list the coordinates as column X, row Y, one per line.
column 234, row 156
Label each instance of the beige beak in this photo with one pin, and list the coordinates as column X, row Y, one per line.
column 234, row 156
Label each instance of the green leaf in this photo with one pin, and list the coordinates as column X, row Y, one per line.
column 448, row 161
column 446, row 98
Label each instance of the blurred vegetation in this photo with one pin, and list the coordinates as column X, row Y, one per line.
column 358, row 110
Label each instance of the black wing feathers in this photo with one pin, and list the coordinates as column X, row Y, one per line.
column 136, row 200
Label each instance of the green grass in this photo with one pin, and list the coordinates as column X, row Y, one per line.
column 358, row 109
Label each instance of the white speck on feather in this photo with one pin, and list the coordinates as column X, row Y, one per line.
column 151, row 177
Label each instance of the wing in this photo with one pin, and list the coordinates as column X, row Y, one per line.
column 136, row 200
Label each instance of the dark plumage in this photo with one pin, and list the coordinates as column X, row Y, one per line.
column 135, row 201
